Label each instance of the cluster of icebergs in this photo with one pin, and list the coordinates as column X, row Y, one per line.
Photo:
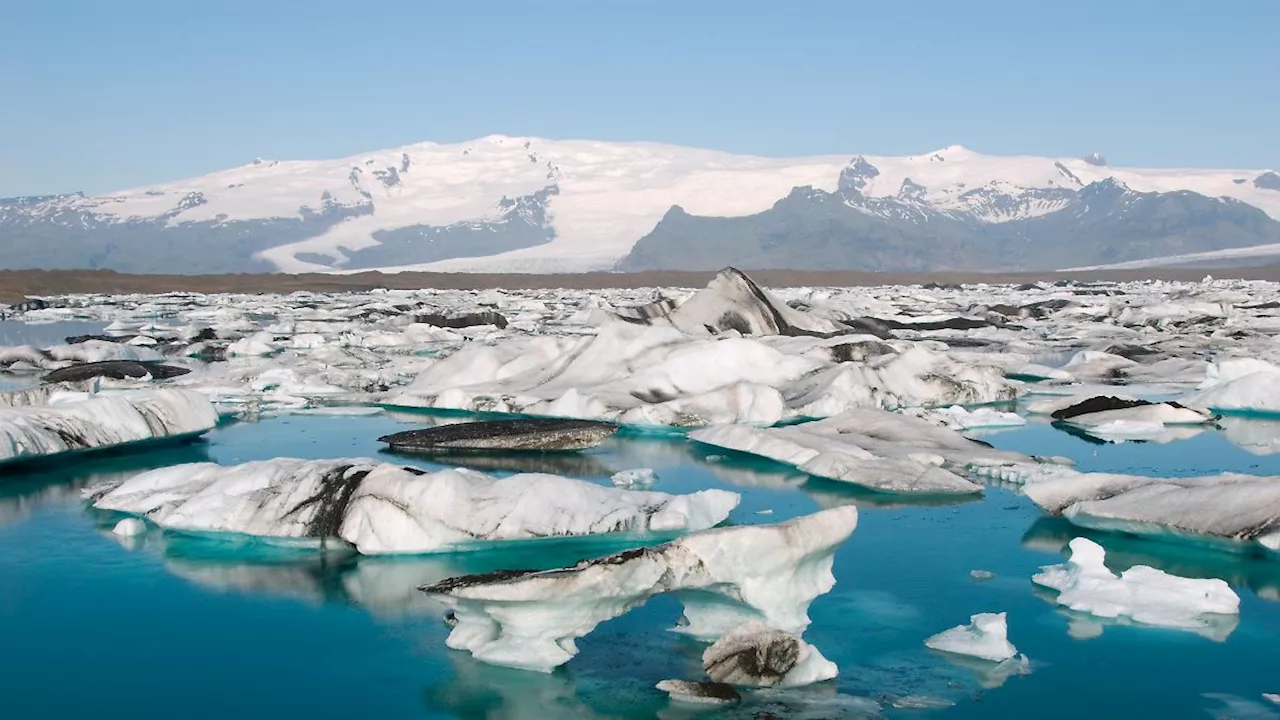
column 850, row 385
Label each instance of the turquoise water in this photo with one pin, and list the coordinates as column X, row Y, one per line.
column 96, row 626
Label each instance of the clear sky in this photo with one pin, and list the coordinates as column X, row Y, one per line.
column 99, row 95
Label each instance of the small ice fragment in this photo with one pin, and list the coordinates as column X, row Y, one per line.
column 129, row 527
column 985, row 637
column 1271, row 697
column 708, row 693
column 981, row 575
column 766, row 511
column 637, row 478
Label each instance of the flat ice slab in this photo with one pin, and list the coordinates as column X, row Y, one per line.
column 1228, row 506
column 96, row 422
column 880, row 450
column 383, row 508
column 724, row 577
column 1143, row 594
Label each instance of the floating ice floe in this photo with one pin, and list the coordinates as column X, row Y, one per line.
column 1230, row 506
column 1242, row 385
column 724, row 577
column 883, row 451
column 635, row 478
column 1119, row 419
column 755, row 655
column 520, row 435
column 986, row 637
column 96, row 422
column 960, row 418
column 1142, row 594
column 115, row 370
column 383, row 508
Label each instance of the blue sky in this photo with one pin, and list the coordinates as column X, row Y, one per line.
column 106, row 95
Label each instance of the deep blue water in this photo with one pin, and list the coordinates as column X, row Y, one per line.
column 94, row 626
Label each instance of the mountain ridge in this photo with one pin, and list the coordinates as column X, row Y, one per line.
column 516, row 204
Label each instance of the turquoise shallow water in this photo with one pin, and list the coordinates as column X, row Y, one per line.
column 93, row 626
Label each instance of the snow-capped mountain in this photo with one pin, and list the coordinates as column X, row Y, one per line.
column 531, row 205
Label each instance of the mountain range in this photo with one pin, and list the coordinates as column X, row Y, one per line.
column 506, row 204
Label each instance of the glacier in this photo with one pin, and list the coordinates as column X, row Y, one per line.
column 724, row 577
column 379, row 508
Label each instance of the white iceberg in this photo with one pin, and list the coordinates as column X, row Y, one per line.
column 1143, row 594
column 95, row 422
column 879, row 450
column 1235, row 507
column 985, row 637
column 724, row 577
column 383, row 508
column 1242, row 385
column 755, row 655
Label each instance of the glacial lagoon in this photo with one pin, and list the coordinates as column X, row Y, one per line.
column 100, row 626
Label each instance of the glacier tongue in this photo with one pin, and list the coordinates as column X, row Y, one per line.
column 724, row 577
column 383, row 508
column 101, row 421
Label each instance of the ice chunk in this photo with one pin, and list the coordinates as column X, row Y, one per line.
column 1143, row 594
column 382, row 508
column 525, row 434
column 637, row 478
column 102, row 421
column 959, row 418
column 724, row 577
column 876, row 449
column 1243, row 385
column 129, row 527
column 1230, row 506
column 985, row 637
column 755, row 655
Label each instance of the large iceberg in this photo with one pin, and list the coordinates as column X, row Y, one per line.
column 383, row 508
column 724, row 577
column 1231, row 506
column 1143, row 594
column 884, row 451
column 95, row 422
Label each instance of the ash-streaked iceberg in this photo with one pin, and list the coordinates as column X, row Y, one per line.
column 724, row 577
column 381, row 508
column 880, row 450
column 1141, row 593
column 755, row 655
column 1244, row 508
column 96, row 422
column 986, row 637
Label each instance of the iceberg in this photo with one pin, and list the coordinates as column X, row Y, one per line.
column 1141, row 593
column 1243, row 508
column 880, row 450
column 381, row 508
column 755, row 655
column 699, row 693
column 724, row 577
column 522, row 435
column 1242, row 385
column 97, row 422
column 986, row 637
